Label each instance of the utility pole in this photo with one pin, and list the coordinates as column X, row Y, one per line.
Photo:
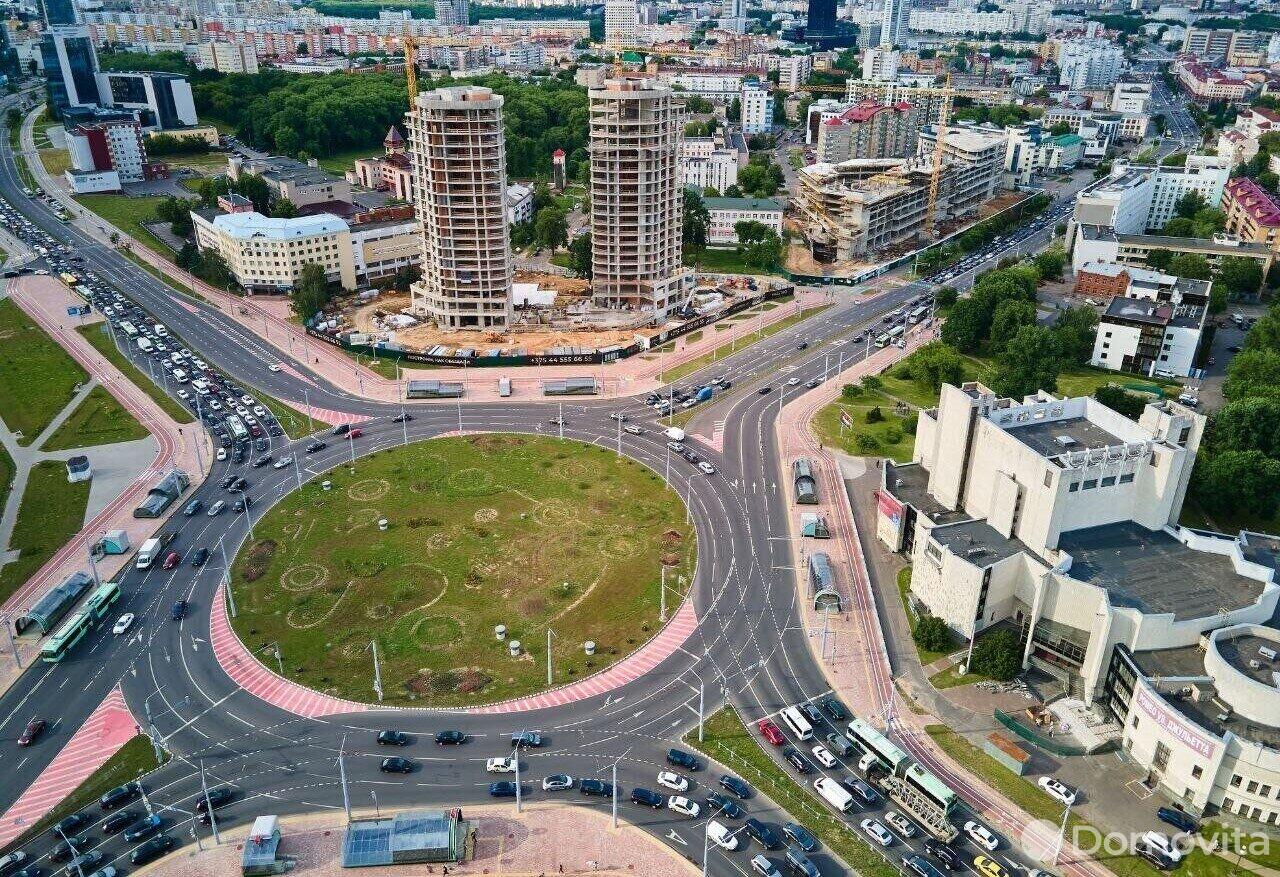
column 548, row 656
column 560, row 418
column 377, row 670
column 619, row 434
column 701, row 688
column 516, row 757
column 226, row 577
column 151, row 731
column 351, row 443
column 213, row 820
column 662, row 594
column 93, row 567
column 342, row 775
column 75, row 857
column 615, row 794
column 297, row 473
column 306, row 397
column 13, row 647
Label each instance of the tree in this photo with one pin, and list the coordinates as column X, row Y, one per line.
column 551, row 227
column 1240, row 275
column 764, row 249
column 1265, row 334
column 1189, row 205
column 1059, row 129
column 580, row 255
column 1160, row 259
column 1076, row 329
column 188, row 257
column 177, row 212
column 1007, row 319
column 13, row 118
column 311, row 293
column 932, row 634
column 760, row 178
column 1232, row 482
column 966, row 326
column 733, row 191
column 697, row 220
column 214, row 270
column 283, row 208
column 935, row 364
column 1029, row 362
column 1191, row 265
column 1120, row 400
column 1051, row 262
column 1249, row 424
column 945, row 296
column 1253, row 373
column 734, row 112
column 997, row 655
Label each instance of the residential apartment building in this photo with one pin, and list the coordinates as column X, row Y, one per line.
column 453, row 13
column 621, row 23
column 637, row 197
column 726, row 213
column 1096, row 243
column 106, row 154
column 717, row 169
column 1089, row 65
column 519, row 203
column 756, row 101
column 1137, row 199
column 1239, row 143
column 794, row 71
column 973, row 157
column 226, row 57
column 1153, row 326
column 866, row 130
column 1252, row 213
column 1131, row 97
column 458, row 150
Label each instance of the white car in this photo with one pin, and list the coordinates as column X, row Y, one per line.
column 877, row 832
column 683, row 806
column 901, row 824
column 823, row 756
column 1057, row 790
column 633, row 429
column 123, row 624
column 707, row 468
column 222, row 454
column 762, row 866
column 721, row 835
column 184, row 395
column 981, row 835
column 247, row 399
column 275, row 367
column 791, row 382
column 282, row 462
column 557, row 783
column 503, row 764
column 669, row 779
column 259, row 411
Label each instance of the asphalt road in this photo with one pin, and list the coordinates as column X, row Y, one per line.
column 750, row 648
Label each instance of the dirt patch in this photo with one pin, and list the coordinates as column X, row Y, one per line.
column 258, row 558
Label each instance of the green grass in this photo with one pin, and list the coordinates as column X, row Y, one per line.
column 127, row 214
column 7, row 471
column 726, row 261
column 52, row 511
column 341, row 162
column 134, row 759
column 42, row 126
column 155, row 272
column 96, row 333
column 1226, row 839
column 952, row 678
column 55, row 161
column 98, row 420
column 893, row 439
column 37, row 377
column 795, row 157
column 726, row 740
column 730, row 347
column 484, row 530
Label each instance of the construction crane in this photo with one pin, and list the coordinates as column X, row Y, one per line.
column 939, row 148
column 411, row 64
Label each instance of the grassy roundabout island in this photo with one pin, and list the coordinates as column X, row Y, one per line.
column 523, row 531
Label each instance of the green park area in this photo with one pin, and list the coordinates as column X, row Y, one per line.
column 52, row 511
column 532, row 533
column 127, row 213
column 37, row 377
column 98, row 420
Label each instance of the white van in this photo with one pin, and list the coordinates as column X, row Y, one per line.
column 504, row 386
column 201, row 386
column 144, row 345
column 834, row 794
column 180, row 376
column 147, row 554
column 799, row 725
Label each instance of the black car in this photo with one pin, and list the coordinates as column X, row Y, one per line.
column 342, row 429
column 798, row 761
column 803, row 345
column 315, row 446
column 29, row 871
column 259, row 462
column 764, row 391
column 680, row 758
column 393, row 738
column 237, row 486
column 140, row 828
column 863, row 792
column 530, row 739
column 242, row 503
column 119, row 796
column 738, row 786
column 179, row 611
column 69, row 848
column 945, row 854
column 219, row 797
column 229, row 480
column 84, row 863
column 598, row 788
column 648, row 798
column 119, row 821
column 151, row 850
column 450, row 738
column 1178, row 819
column 764, row 835
column 396, row 764
column 199, row 556
column 800, row 836
column 70, row 824
column 503, row 789
column 811, row 712
column 1155, row 856
column 835, row 709
column 919, row 866
column 261, row 444
column 718, row 803
column 402, row 418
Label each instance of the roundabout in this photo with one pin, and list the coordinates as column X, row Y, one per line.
column 525, row 532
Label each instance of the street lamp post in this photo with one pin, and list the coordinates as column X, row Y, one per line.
column 208, row 805
column 377, row 670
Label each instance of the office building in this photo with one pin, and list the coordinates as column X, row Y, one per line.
column 718, row 170
column 226, row 57
column 70, row 68
column 162, row 100
column 1209, row 84
column 726, row 213
column 1153, row 323
column 460, row 176
column 1089, row 65
column 621, row 24
column 734, row 19
column 304, row 184
column 1136, row 199
column 1131, row 97
column 756, row 101
column 1096, row 243
column 1032, row 151
column 1210, row 45
column 637, row 197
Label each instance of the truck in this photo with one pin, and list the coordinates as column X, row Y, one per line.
column 675, row 434
column 703, row 394
column 150, row 550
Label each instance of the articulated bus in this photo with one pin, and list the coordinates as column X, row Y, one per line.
column 918, row 314
column 893, row 759
column 57, row 646
column 102, row 599
column 68, row 279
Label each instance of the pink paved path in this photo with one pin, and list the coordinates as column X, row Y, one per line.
column 248, row 672
column 108, row 728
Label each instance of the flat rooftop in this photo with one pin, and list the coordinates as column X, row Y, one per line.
column 910, row 484
column 978, row 542
column 1151, row 571
column 1140, row 310
column 1054, row 437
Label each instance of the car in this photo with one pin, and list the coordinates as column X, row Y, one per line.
column 151, row 850
column 558, row 782
column 217, row 797
column 529, row 739
column 1162, row 844
column 633, row 429
column 119, row 796
column 798, row 761
column 791, row 382
column 683, row 806
column 771, row 732
column 596, row 788
column 240, row 504
column 238, row 485
column 800, row 836
column 179, row 611
column 190, row 509
column 765, row 868
column 813, row 383
column 70, row 824
column 669, row 779
column 393, row 738
column 341, row 429
column 66, row 850
column 877, row 832
column 171, row 560
column 811, row 712
column 282, row 462
column 275, row 367
column 680, row 758
column 259, row 462
column 556, row 421
column 762, row 833
column 503, row 789
column 141, row 828
column 736, row 785
column 31, row 732
column 764, row 391
column 396, row 764
column 989, row 867
column 724, row 805
column 863, row 792
column 119, row 821
column 354, row 434
column 217, row 508
column 648, row 798
column 1057, row 790
column 501, row 764
column 706, row 468
column 840, row 745
column 83, row 863
column 1178, row 819
column 981, row 835
column 720, row 834
column 402, row 418
column 675, row 446
column 834, row 708
column 901, row 824
column 315, row 446
column 1155, row 857
column 199, row 556
column 823, row 756
column 450, row 738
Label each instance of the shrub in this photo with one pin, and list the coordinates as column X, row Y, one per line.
column 932, row 634
column 875, row 415
column 871, row 382
column 997, row 655
column 866, row 443
column 893, row 435
column 851, row 391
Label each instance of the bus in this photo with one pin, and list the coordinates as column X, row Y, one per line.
column 918, row 314
column 102, row 599
column 935, row 790
column 799, row 725
column 68, row 279
column 896, row 332
column 57, row 646
column 891, row 758
column 883, row 341
column 236, row 425
column 129, row 329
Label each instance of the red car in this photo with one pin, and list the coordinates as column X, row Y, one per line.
column 355, row 433
column 34, row 729
column 771, row 732
column 170, row 560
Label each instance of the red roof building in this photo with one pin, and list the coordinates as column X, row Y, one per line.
column 1252, row 212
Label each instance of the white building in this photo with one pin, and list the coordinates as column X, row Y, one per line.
column 1131, row 97
column 1089, row 65
column 1154, row 327
column 227, row 57
column 1137, row 199
column 519, row 203
column 621, row 23
column 794, row 71
column 725, row 213
column 880, row 64
column 757, row 109
column 718, row 170
column 109, row 146
column 711, row 84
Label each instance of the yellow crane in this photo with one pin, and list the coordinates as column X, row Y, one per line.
column 411, row 64
column 935, row 178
